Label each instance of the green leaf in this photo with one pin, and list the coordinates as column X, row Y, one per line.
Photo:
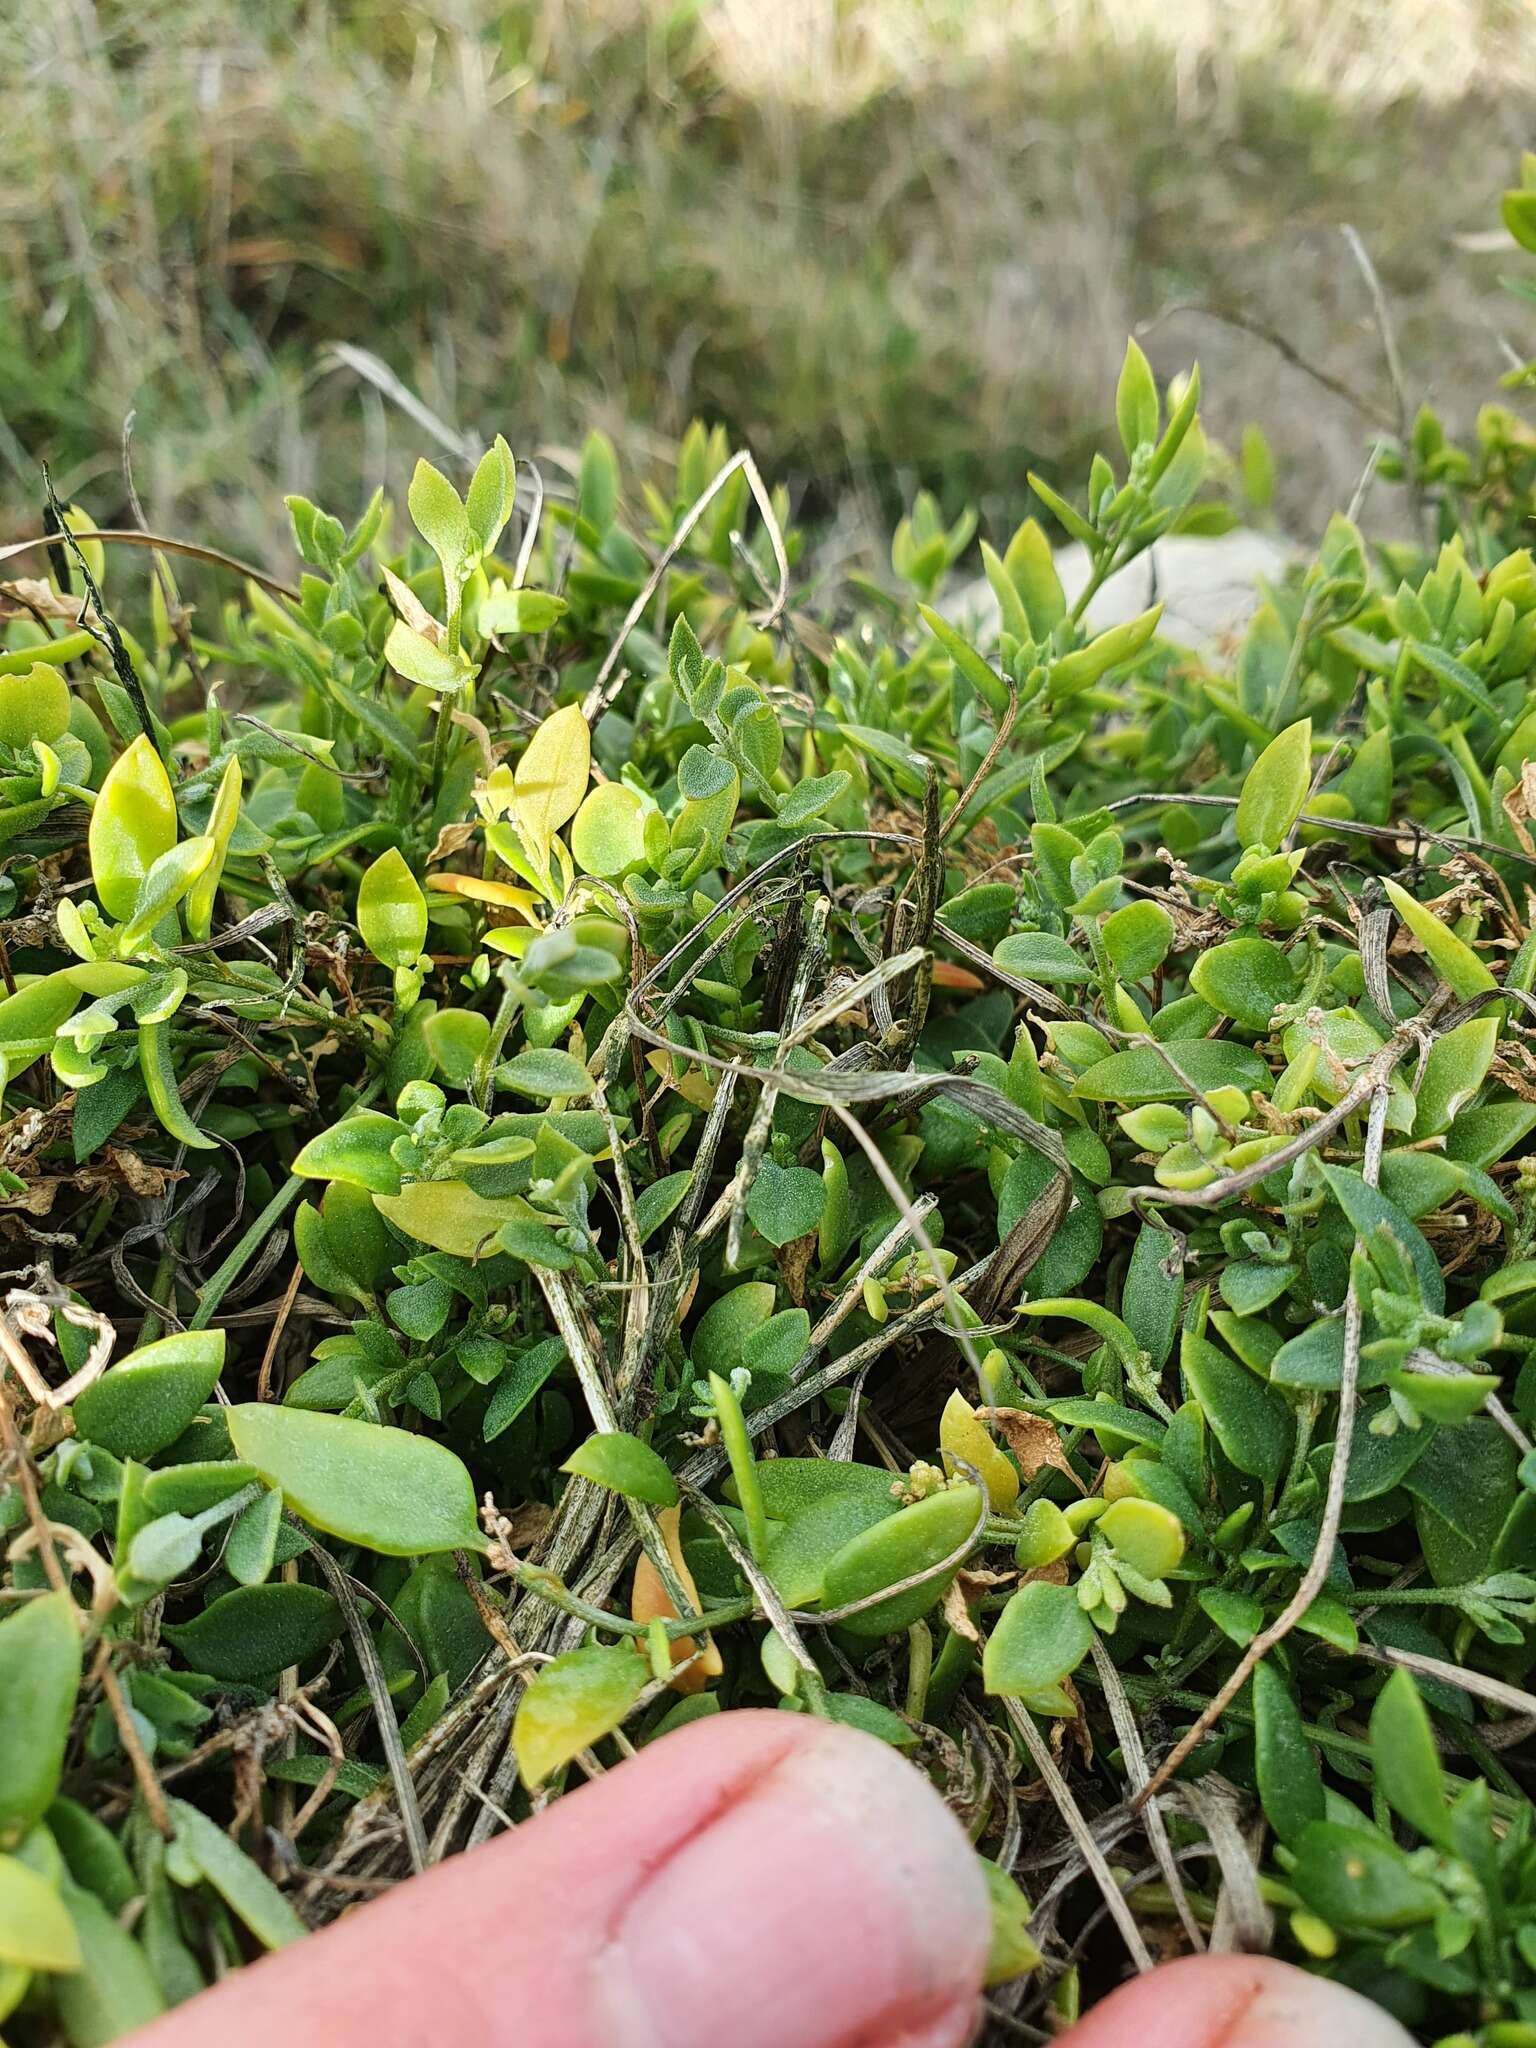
column 1079, row 1412
column 368, row 1483
column 356, row 1150
column 36, row 1932
column 1152, row 1297
column 597, row 488
column 448, row 1215
column 1013, row 1950
column 1246, row 979
column 1031, row 566
column 1252, row 1422
column 980, row 674
column 222, row 819
column 34, row 706
column 1040, row 1638
column 423, row 662
column 1275, row 788
column 1141, row 1074
column 518, row 1385
column 492, row 493
column 812, row 797
column 39, row 1681
column 392, row 911
column 1041, row 956
column 573, row 1702
column 1452, row 959
column 1355, row 1877
column 1370, row 1211
column 133, row 822
column 246, row 1636
column 1137, row 939
column 1137, row 412
column 1290, row 1783
column 545, row 1072
column 785, row 1202
column 114, row 1990
column 913, row 1541
column 251, row 1550
column 143, row 1403
column 608, row 834
column 1406, row 1761
column 247, row 1891
column 653, row 1205
column 443, row 523
column 818, row 1506
column 159, row 1073
column 778, row 1345
column 1147, row 1536
column 626, row 1465
column 1452, row 1074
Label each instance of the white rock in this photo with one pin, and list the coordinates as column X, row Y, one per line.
column 1209, row 587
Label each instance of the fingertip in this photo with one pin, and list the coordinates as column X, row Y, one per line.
column 760, row 1878
column 1236, row 2002
column 837, row 1900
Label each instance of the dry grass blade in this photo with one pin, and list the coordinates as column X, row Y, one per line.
column 1081, row 1833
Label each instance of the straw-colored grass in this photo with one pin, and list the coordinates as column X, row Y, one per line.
column 891, row 241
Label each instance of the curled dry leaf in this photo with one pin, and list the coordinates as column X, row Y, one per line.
column 1035, row 1442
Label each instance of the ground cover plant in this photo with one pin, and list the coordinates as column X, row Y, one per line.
column 590, row 1139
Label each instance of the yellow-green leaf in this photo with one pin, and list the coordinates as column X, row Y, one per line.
column 1451, row 958
column 964, row 1436
column 36, row 1932
column 551, row 780
column 392, row 911
column 448, row 1215
column 573, row 1702
column 221, row 827
column 132, row 823
column 1275, row 788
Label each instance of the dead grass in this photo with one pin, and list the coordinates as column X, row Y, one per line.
column 891, row 241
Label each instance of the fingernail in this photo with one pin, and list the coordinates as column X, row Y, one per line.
column 836, row 1903
column 1236, row 2002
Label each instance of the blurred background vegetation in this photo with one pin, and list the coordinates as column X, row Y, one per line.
column 890, row 243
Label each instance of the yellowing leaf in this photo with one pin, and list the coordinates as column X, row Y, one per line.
column 964, row 1436
column 36, row 1932
column 692, row 1084
column 572, row 1703
column 551, row 780
column 420, row 660
column 221, row 829
column 471, row 887
column 132, row 824
column 649, row 1601
column 448, row 1215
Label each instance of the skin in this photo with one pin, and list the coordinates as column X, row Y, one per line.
column 759, row 1878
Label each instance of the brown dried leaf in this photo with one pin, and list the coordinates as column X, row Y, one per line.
column 794, row 1262
column 32, row 598
column 452, row 839
column 1034, row 1441
column 1055, row 1574
column 957, row 1613
column 527, row 1524
column 412, row 610
column 138, row 1175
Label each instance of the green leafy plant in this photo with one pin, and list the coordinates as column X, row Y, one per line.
column 679, row 1147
